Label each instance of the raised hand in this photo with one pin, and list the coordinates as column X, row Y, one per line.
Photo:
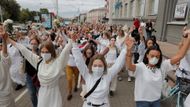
column 131, row 29
column 74, row 37
column 140, row 31
column 186, row 33
column 130, row 42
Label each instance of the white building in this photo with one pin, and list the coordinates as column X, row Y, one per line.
column 82, row 17
column 128, row 9
column 96, row 15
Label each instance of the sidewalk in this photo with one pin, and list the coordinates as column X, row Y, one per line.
column 168, row 49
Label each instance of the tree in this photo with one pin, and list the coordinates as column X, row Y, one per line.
column 44, row 11
column 11, row 9
column 24, row 15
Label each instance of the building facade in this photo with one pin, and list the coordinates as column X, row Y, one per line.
column 96, row 15
column 169, row 16
column 82, row 17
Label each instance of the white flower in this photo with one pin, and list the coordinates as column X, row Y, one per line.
column 8, row 21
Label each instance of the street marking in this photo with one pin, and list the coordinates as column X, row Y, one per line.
column 21, row 95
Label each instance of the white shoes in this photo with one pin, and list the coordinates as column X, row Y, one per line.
column 129, row 79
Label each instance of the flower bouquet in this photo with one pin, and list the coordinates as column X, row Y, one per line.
column 8, row 26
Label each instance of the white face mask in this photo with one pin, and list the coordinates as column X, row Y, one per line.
column 33, row 46
column 46, row 56
column 153, row 61
column 98, row 71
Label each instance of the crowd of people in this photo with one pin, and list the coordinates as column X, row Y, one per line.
column 93, row 57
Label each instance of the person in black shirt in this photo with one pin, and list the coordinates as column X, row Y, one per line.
column 149, row 29
column 32, row 72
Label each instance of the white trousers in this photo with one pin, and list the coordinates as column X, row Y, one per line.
column 113, row 83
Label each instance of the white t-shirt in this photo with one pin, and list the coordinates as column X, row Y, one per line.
column 111, row 56
column 184, row 64
column 187, row 101
column 148, row 85
column 103, row 44
column 6, row 97
column 71, row 61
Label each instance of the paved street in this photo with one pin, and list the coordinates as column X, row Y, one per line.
column 124, row 96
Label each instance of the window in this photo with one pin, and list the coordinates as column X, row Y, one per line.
column 140, row 7
column 126, row 6
column 181, row 10
column 132, row 6
column 154, row 7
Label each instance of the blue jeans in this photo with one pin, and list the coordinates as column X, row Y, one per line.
column 33, row 91
column 149, row 34
column 148, row 104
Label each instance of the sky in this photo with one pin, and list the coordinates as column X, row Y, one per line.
column 67, row 8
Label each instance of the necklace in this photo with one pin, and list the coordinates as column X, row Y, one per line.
column 153, row 69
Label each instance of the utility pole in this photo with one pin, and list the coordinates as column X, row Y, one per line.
column 57, row 8
column 1, row 13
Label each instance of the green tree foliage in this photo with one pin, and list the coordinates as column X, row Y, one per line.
column 44, row 11
column 24, row 15
column 11, row 9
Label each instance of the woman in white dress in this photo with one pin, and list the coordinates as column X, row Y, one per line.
column 49, row 72
column 97, row 69
column 111, row 57
column 16, row 69
column 150, row 73
column 6, row 96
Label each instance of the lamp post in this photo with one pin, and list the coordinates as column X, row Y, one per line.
column 1, row 13
column 57, row 9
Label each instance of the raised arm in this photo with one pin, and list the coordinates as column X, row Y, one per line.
column 4, row 46
column 64, row 56
column 83, row 69
column 32, row 58
column 182, row 51
column 130, row 42
column 119, row 63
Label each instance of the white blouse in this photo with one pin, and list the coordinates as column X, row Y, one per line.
column 148, row 84
column 184, row 64
column 48, row 74
column 100, row 94
column 111, row 56
column 6, row 97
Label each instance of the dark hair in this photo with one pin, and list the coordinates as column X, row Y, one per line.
column 53, row 35
column 50, row 47
column 113, row 37
column 95, row 57
column 147, row 42
column 1, row 41
column 106, row 34
column 135, row 35
column 122, row 32
column 35, row 38
column 91, row 47
column 153, row 37
column 145, row 60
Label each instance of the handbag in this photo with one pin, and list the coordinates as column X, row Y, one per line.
column 35, row 79
column 93, row 88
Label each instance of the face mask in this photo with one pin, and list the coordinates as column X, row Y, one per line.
column 153, row 61
column 98, row 71
column 46, row 56
column 33, row 47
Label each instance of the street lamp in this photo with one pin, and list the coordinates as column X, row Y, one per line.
column 1, row 13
